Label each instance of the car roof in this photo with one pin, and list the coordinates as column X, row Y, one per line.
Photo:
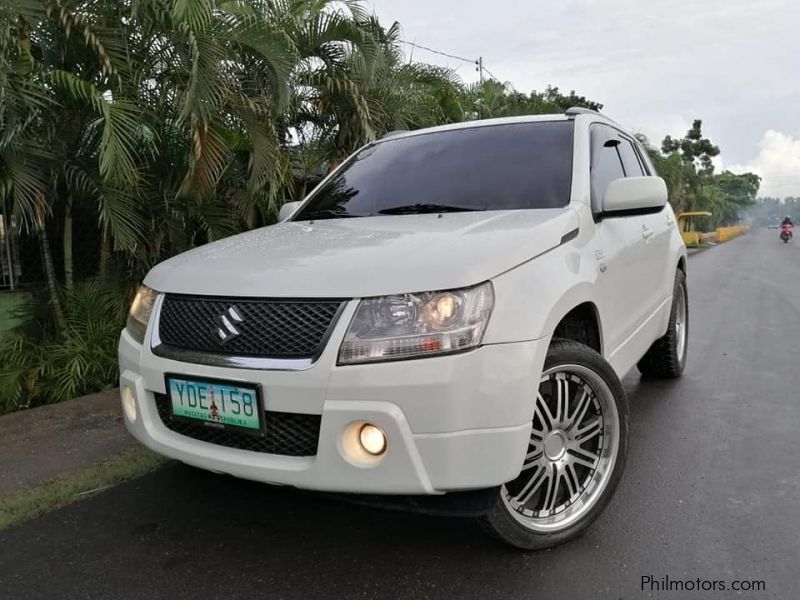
column 589, row 116
column 474, row 124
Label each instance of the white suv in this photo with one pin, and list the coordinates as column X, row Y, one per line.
column 448, row 314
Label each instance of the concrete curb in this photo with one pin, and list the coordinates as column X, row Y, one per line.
column 60, row 440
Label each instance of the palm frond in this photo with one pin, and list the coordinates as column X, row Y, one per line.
column 210, row 156
column 120, row 217
column 197, row 14
column 121, row 125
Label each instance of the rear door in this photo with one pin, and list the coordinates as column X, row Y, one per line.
column 622, row 252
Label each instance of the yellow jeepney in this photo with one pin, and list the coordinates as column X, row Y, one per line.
column 687, row 226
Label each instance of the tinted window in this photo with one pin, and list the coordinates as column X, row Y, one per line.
column 645, row 159
column 498, row 167
column 629, row 159
column 606, row 167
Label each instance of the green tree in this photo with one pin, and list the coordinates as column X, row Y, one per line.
column 737, row 194
column 693, row 148
column 686, row 166
column 494, row 99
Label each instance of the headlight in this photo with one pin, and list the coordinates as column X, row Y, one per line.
column 139, row 314
column 416, row 325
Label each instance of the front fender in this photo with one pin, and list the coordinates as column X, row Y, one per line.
column 531, row 299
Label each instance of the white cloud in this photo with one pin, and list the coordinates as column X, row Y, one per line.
column 778, row 163
column 655, row 126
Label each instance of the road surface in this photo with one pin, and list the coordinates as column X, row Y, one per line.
column 711, row 491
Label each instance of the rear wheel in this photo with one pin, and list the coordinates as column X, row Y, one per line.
column 576, row 453
column 666, row 358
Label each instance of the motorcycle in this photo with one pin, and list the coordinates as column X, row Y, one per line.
column 786, row 233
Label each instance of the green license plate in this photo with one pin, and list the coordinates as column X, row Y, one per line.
column 214, row 403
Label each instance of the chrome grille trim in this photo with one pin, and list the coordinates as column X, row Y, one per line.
column 159, row 348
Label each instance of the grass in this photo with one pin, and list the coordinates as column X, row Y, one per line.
column 31, row 503
column 10, row 302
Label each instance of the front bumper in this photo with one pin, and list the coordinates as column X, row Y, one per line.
column 456, row 422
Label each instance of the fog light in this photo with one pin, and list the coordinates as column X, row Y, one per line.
column 372, row 439
column 128, row 403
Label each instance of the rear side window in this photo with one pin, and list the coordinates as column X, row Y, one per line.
column 649, row 169
column 630, row 161
column 495, row 167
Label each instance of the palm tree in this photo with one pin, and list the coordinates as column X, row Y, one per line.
column 352, row 85
column 151, row 104
column 24, row 163
column 176, row 122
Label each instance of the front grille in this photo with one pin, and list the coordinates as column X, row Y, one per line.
column 268, row 328
column 286, row 434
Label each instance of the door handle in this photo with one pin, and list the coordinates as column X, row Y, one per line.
column 647, row 233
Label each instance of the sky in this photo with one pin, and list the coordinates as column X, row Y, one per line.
column 655, row 65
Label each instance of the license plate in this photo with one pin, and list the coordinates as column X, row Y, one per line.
column 214, row 403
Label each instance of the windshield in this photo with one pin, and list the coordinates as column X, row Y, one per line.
column 497, row 167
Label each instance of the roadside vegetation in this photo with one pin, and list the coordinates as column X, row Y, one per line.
column 687, row 166
column 172, row 123
column 30, row 503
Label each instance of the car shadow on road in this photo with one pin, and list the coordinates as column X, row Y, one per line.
column 186, row 527
column 192, row 530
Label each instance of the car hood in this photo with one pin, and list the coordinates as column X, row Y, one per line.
column 370, row 256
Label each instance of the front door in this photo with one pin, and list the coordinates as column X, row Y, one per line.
column 657, row 228
column 625, row 253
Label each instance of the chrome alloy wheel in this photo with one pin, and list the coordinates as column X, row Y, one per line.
column 572, row 450
column 680, row 322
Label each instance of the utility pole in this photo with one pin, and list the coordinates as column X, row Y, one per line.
column 479, row 68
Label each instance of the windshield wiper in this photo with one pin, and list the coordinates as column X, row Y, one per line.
column 419, row 209
column 327, row 213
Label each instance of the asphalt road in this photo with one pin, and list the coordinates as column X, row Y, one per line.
column 711, row 491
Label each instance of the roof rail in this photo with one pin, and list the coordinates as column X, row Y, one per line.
column 573, row 111
column 393, row 133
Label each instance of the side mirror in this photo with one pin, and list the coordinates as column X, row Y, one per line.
column 287, row 210
column 634, row 195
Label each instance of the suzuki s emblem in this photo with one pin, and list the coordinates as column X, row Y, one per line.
column 228, row 320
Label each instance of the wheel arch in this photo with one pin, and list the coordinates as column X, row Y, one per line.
column 532, row 300
column 581, row 324
column 682, row 264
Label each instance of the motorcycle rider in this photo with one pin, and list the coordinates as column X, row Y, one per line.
column 787, row 229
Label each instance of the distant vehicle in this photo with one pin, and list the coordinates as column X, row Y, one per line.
column 688, row 224
column 774, row 224
column 424, row 324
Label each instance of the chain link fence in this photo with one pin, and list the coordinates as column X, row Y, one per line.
column 73, row 244
column 20, row 260
column 12, row 295
column 10, row 268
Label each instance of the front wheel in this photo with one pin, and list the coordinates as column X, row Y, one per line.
column 576, row 453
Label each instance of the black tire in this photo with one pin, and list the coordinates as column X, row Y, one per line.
column 665, row 359
column 503, row 524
